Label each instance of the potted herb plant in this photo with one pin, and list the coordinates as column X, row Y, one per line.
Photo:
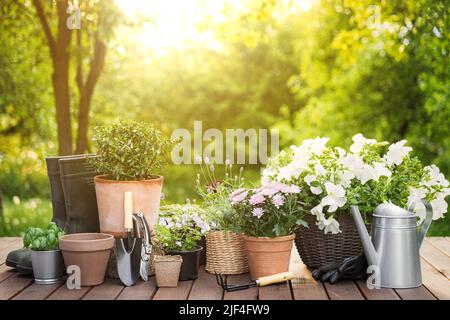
column 333, row 179
column 129, row 155
column 46, row 258
column 225, row 248
column 178, row 231
column 270, row 215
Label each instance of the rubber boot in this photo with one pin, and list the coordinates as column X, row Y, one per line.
column 56, row 190
column 77, row 179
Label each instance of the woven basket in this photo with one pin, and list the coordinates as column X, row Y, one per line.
column 225, row 253
column 318, row 249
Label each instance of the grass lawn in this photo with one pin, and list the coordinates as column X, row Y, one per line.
column 19, row 215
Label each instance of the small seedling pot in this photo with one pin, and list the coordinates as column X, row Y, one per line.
column 190, row 265
column 48, row 266
column 90, row 252
column 167, row 270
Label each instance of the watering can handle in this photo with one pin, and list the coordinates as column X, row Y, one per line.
column 426, row 223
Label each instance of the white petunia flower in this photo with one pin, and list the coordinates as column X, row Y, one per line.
column 436, row 177
column 335, row 197
column 397, row 151
column 311, row 147
column 379, row 170
column 329, row 225
column 345, row 178
column 359, row 141
column 439, row 204
column 289, row 172
column 309, row 179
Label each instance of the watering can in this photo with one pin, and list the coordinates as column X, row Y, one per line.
column 396, row 240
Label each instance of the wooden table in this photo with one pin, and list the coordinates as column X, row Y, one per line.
column 435, row 271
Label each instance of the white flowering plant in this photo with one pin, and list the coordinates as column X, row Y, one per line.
column 369, row 173
column 180, row 227
column 269, row 211
column 214, row 185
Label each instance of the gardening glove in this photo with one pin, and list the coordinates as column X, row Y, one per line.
column 352, row 268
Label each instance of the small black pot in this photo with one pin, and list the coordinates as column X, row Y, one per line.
column 189, row 267
column 202, row 243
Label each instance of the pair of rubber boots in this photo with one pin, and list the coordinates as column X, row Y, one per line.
column 73, row 201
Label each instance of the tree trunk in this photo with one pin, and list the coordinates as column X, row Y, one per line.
column 60, row 54
column 86, row 92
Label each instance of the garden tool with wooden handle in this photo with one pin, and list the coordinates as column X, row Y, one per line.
column 260, row 282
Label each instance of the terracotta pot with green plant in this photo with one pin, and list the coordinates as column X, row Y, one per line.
column 225, row 249
column 269, row 217
column 129, row 156
column 46, row 258
column 178, row 231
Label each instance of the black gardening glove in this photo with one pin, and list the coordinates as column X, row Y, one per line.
column 352, row 268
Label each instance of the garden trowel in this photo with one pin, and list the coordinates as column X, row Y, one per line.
column 128, row 251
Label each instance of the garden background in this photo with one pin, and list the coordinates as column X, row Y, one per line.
column 308, row 68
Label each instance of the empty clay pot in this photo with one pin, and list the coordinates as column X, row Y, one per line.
column 90, row 252
column 267, row 256
column 110, row 199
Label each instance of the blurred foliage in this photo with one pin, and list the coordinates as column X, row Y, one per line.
column 342, row 67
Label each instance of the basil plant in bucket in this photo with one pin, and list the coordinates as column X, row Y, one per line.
column 46, row 258
column 129, row 157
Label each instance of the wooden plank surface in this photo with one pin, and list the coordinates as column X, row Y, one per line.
column 309, row 291
column 344, row 290
column 6, row 272
column 6, row 241
column 109, row 290
column 62, row 293
column 441, row 243
column 438, row 259
column 376, row 294
column 140, row 291
column 275, row 292
column 13, row 245
column 179, row 293
column 420, row 293
column 37, row 291
column 247, row 294
column 435, row 281
column 205, row 287
column 13, row 285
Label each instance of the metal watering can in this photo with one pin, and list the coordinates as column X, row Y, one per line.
column 395, row 244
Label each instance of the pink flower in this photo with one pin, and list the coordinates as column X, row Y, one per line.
column 256, row 199
column 290, row 189
column 258, row 212
column 278, row 200
column 269, row 190
column 238, row 196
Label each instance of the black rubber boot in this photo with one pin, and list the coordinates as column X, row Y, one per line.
column 77, row 179
column 56, row 190
column 14, row 257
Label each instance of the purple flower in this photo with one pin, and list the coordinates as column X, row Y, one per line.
column 256, row 199
column 278, row 200
column 238, row 196
column 258, row 212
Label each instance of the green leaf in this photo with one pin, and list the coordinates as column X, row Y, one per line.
column 301, row 222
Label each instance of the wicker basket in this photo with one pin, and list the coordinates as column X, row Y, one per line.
column 225, row 253
column 318, row 249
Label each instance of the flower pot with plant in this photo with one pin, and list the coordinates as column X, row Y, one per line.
column 129, row 155
column 333, row 179
column 46, row 258
column 225, row 248
column 269, row 217
column 178, row 231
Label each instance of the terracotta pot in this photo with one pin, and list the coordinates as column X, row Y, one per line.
column 267, row 256
column 90, row 252
column 167, row 270
column 110, row 198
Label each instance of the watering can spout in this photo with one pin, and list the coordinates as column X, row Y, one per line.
column 369, row 249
